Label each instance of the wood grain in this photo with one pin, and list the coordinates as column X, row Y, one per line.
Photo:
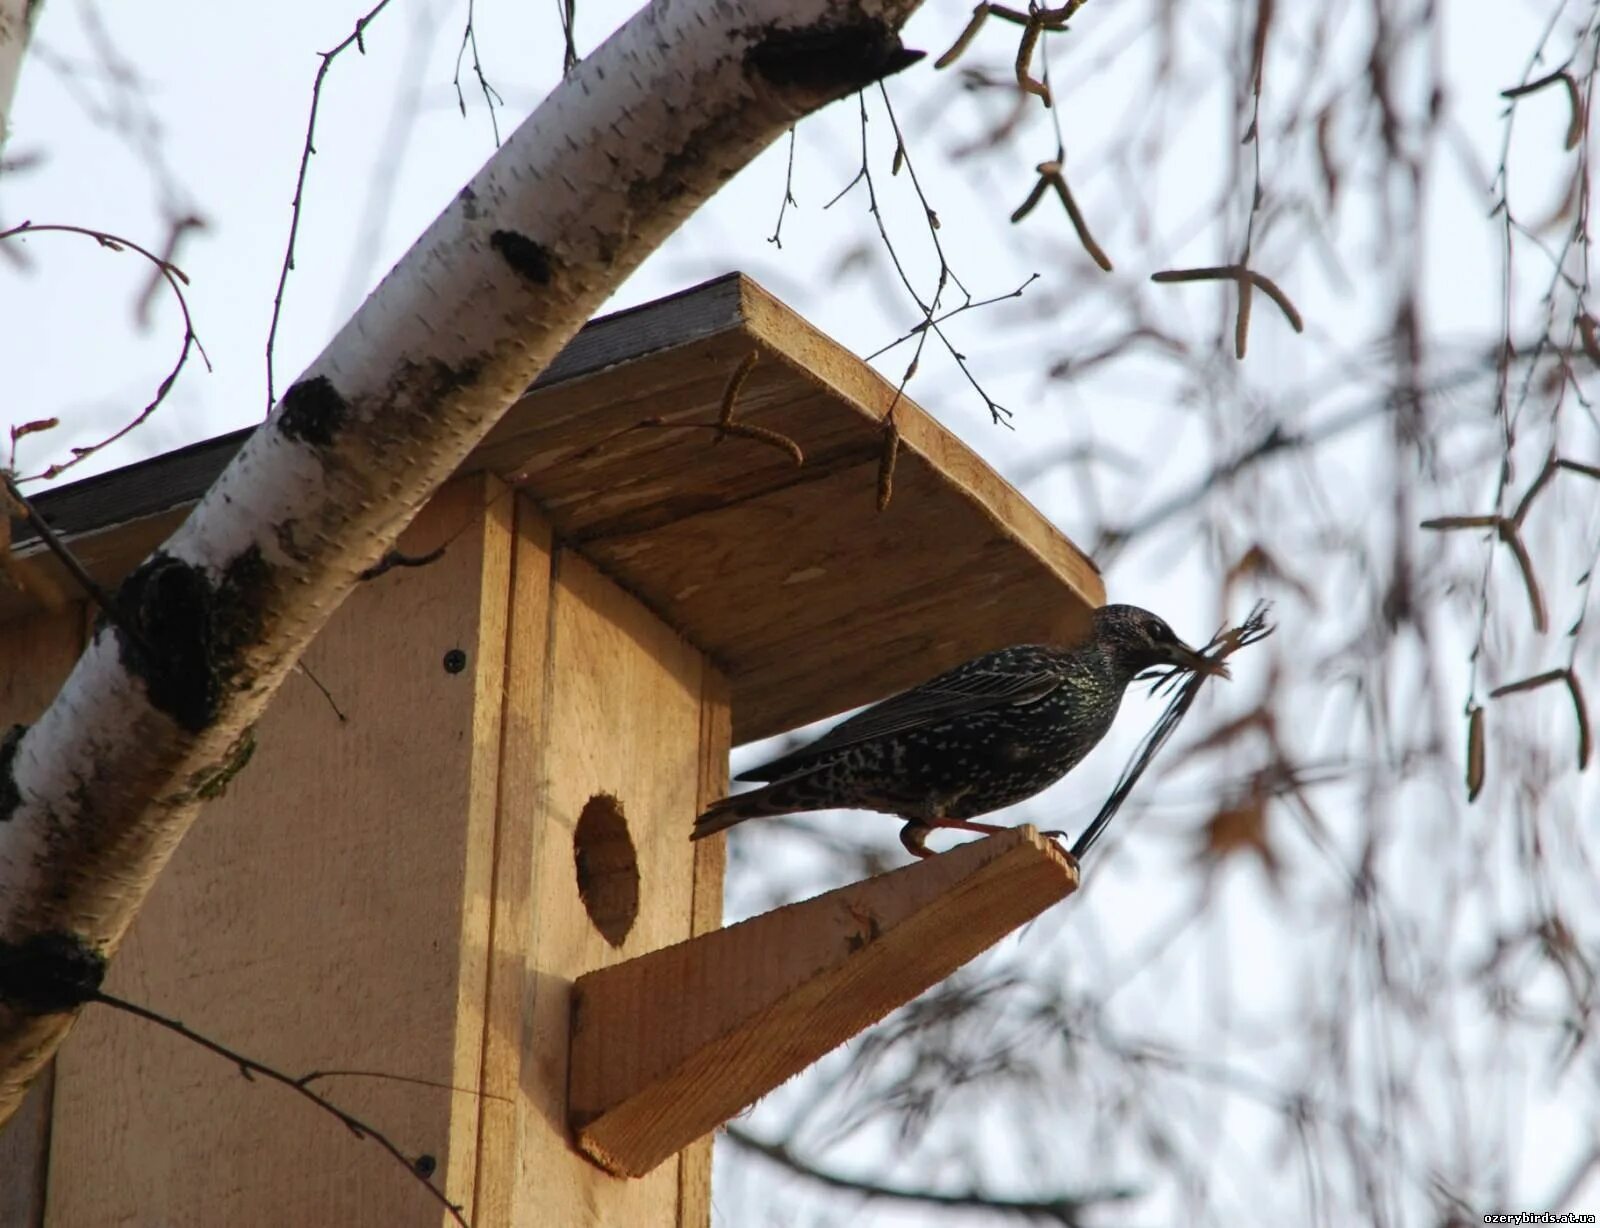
column 524, row 736
column 328, row 913
column 819, row 603
column 36, row 654
column 710, row 863
column 668, row 1046
column 623, row 715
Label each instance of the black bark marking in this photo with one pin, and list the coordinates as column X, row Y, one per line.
column 313, row 412
column 524, row 255
column 469, row 203
column 192, row 633
column 829, row 61
column 49, row 974
column 10, row 795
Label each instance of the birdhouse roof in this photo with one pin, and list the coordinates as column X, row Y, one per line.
column 787, row 575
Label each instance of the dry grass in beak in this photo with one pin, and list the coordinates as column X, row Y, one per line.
column 1211, row 663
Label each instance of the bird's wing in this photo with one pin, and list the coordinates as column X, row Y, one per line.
column 1008, row 678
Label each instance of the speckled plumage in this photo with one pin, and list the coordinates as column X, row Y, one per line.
column 980, row 737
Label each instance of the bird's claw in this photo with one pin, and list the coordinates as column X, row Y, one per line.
column 915, row 838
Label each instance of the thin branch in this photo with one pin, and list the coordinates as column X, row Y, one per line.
column 175, row 278
column 776, row 237
column 491, row 96
column 321, row 686
column 417, row 1166
column 357, row 39
column 75, row 569
column 1067, row 1209
column 396, row 558
column 923, row 325
column 568, row 11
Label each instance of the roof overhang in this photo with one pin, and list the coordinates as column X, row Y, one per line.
column 808, row 597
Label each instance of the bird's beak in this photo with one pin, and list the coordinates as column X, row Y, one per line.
column 1181, row 655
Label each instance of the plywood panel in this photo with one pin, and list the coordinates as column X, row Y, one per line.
column 330, row 912
column 623, row 717
column 36, row 654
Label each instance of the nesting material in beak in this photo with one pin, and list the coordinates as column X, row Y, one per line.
column 1181, row 655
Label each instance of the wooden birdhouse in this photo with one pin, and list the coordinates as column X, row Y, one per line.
column 455, row 880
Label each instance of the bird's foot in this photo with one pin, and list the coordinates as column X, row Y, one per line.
column 915, row 838
column 1060, row 837
column 985, row 829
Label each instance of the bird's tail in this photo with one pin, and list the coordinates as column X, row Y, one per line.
column 765, row 802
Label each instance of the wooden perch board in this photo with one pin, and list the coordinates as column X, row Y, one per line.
column 669, row 1045
column 807, row 598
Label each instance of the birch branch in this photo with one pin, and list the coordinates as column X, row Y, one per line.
column 16, row 29
column 95, row 796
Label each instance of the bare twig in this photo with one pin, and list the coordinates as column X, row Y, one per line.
column 396, row 558
column 75, row 569
column 776, row 237
column 175, row 278
column 356, row 39
column 1066, row 1210
column 491, row 96
column 417, row 1166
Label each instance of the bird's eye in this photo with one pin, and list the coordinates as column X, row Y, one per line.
column 1157, row 630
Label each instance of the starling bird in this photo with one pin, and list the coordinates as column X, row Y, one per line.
column 977, row 738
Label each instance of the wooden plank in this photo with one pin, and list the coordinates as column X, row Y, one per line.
column 516, row 844
column 36, row 654
column 710, row 862
column 814, row 602
column 599, row 471
column 328, row 913
column 672, row 1044
column 623, row 716
column 490, row 507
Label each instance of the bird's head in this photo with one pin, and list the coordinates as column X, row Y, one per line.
column 1137, row 640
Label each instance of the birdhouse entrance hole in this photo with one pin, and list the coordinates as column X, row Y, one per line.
column 608, row 867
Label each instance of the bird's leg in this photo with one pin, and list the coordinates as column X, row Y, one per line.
column 987, row 829
column 914, row 835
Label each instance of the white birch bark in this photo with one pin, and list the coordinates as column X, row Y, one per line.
column 16, row 29
column 96, row 795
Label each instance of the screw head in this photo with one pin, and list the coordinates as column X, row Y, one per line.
column 455, row 661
